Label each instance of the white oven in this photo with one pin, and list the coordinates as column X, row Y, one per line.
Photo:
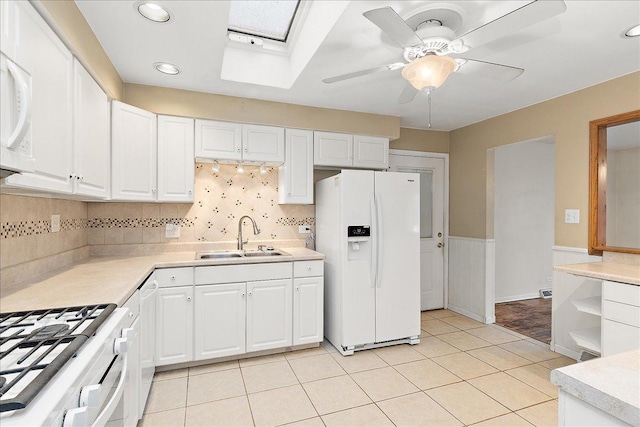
column 16, row 151
column 92, row 388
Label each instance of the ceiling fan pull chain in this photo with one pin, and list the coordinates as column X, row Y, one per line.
column 429, row 99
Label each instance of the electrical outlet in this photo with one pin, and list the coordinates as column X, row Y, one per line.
column 572, row 216
column 172, row 231
column 55, row 223
column 304, row 229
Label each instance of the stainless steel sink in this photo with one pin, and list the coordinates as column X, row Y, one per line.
column 240, row 254
column 264, row 253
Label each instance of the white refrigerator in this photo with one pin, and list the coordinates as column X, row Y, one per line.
column 368, row 226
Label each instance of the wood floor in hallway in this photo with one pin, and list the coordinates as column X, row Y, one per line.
column 531, row 317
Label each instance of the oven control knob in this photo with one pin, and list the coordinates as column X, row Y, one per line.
column 77, row 417
column 120, row 346
column 90, row 396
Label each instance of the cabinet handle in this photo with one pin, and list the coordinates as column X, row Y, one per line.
column 297, row 288
column 190, row 191
column 308, row 268
column 72, row 176
column 242, row 294
column 153, row 190
column 81, row 178
column 173, row 277
column 289, row 193
column 238, row 150
column 250, row 293
column 188, row 298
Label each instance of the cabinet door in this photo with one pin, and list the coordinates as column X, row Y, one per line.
column 332, row 149
column 218, row 140
column 618, row 337
column 91, row 160
column 42, row 54
column 134, row 146
column 262, row 144
column 370, row 152
column 176, row 165
column 308, row 297
column 147, row 339
column 8, row 29
column 174, row 325
column 269, row 314
column 220, row 320
column 295, row 176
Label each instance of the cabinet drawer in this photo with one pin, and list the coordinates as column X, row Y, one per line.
column 621, row 292
column 622, row 313
column 308, row 268
column 168, row 277
column 243, row 273
column 619, row 338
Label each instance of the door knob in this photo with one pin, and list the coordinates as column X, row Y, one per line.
column 440, row 245
column 439, row 234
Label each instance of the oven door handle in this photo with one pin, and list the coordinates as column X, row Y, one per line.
column 106, row 413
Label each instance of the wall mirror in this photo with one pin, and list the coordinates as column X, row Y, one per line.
column 614, row 184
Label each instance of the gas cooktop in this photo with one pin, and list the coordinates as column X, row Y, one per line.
column 35, row 345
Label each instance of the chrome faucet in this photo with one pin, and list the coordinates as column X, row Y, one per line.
column 256, row 230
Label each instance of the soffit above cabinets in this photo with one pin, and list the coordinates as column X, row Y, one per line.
column 568, row 52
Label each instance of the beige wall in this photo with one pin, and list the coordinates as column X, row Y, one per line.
column 567, row 119
column 220, row 107
column 421, row 140
column 71, row 22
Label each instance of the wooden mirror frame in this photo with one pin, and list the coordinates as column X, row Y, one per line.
column 598, row 182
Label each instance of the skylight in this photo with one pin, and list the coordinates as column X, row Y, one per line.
column 263, row 18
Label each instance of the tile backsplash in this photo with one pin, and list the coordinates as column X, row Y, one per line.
column 220, row 200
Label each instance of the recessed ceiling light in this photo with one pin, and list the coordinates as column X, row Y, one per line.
column 165, row 67
column 633, row 31
column 153, row 12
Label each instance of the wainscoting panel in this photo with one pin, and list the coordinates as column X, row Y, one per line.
column 471, row 282
column 567, row 287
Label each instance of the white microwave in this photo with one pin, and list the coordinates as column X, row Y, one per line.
column 16, row 150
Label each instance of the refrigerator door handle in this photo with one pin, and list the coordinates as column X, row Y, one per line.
column 379, row 242
column 374, row 240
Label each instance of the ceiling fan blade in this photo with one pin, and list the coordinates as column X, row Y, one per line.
column 394, row 26
column 388, row 67
column 408, row 94
column 489, row 70
column 529, row 14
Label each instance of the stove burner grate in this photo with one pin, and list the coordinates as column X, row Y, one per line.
column 27, row 341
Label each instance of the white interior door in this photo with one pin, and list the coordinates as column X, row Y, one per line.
column 432, row 224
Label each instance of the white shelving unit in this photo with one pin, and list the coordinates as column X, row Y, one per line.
column 591, row 305
column 589, row 339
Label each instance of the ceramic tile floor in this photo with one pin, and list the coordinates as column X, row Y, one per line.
column 462, row 373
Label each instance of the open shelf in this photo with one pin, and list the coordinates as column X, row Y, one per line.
column 591, row 305
column 589, row 339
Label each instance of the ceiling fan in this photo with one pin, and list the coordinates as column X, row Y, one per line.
column 429, row 36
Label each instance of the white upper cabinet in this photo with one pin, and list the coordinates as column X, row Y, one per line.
column 371, row 152
column 295, row 176
column 176, row 166
column 332, row 149
column 133, row 148
column 91, row 166
column 350, row 151
column 262, row 144
column 226, row 141
column 50, row 65
column 218, row 140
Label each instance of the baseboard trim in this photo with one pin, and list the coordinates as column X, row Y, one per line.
column 470, row 314
column 572, row 354
column 518, row 297
column 569, row 249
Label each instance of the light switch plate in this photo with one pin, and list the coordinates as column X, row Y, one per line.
column 572, row 216
column 172, row 231
column 55, row 223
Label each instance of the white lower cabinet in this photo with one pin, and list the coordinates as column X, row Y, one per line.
column 269, row 313
column 174, row 325
column 308, row 310
column 220, row 320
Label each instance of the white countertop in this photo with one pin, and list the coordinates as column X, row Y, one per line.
column 610, row 383
column 624, row 273
column 102, row 280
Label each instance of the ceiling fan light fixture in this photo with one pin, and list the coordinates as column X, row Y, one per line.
column 429, row 71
